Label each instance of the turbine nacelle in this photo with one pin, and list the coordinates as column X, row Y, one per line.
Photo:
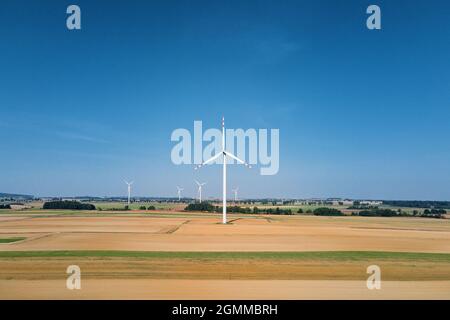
column 200, row 184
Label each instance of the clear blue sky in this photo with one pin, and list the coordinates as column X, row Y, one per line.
column 362, row 114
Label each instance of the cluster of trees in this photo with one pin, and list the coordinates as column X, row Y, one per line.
column 434, row 213
column 247, row 201
column 235, row 209
column 375, row 212
column 307, row 211
column 126, row 208
column 362, row 207
column 115, row 209
column 200, row 206
column 5, row 206
column 277, row 210
column 418, row 204
column 72, row 205
column 324, row 211
column 149, row 208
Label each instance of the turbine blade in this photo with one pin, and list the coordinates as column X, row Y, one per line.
column 209, row 160
column 237, row 159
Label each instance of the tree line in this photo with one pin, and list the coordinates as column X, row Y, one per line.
column 70, row 205
column 208, row 207
column 376, row 212
column 418, row 204
column 322, row 211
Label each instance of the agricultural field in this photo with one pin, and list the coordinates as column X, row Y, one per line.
column 169, row 254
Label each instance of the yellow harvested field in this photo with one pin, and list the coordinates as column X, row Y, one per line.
column 173, row 276
column 148, row 233
column 223, row 289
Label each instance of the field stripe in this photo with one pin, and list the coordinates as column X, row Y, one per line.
column 11, row 240
column 316, row 255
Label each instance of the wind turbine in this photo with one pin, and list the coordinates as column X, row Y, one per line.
column 179, row 193
column 129, row 190
column 225, row 154
column 235, row 193
column 200, row 185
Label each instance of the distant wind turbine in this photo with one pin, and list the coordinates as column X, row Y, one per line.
column 225, row 154
column 179, row 193
column 129, row 190
column 235, row 193
column 200, row 185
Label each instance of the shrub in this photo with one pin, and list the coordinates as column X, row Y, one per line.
column 71, row 205
column 142, row 208
column 327, row 212
column 151, row 208
column 5, row 206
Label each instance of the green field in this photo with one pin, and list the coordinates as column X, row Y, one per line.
column 319, row 255
column 9, row 240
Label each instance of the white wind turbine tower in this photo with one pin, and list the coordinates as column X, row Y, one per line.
column 200, row 185
column 179, row 193
column 235, row 193
column 129, row 190
column 225, row 154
